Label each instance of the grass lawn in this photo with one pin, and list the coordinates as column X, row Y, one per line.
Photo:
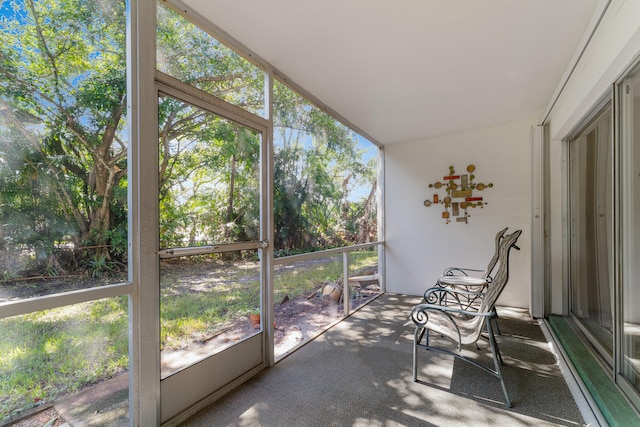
column 51, row 353
column 48, row 354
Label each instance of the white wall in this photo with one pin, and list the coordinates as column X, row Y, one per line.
column 419, row 243
column 612, row 50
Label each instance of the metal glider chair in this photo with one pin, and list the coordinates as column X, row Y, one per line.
column 464, row 327
column 486, row 273
column 459, row 278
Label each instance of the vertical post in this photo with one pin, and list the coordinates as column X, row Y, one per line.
column 623, row 171
column 142, row 163
column 267, row 224
column 537, row 306
column 380, row 220
column 564, row 188
column 346, row 297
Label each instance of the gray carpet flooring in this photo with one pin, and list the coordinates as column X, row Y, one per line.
column 359, row 374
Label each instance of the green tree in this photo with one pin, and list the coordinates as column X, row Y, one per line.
column 63, row 144
column 63, row 126
column 318, row 165
column 208, row 169
column 63, row 103
column 209, row 178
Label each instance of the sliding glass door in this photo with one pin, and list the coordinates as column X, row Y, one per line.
column 630, row 232
column 604, row 233
column 591, row 231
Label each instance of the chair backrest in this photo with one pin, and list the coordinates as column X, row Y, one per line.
column 502, row 276
column 494, row 259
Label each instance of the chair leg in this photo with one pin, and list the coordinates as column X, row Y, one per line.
column 422, row 332
column 496, row 355
column 498, row 351
column 495, row 321
column 495, row 344
column 417, row 337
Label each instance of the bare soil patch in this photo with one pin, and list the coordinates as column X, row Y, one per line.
column 47, row 417
column 303, row 317
column 298, row 319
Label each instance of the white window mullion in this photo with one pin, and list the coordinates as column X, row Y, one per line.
column 267, row 220
column 537, row 304
column 144, row 306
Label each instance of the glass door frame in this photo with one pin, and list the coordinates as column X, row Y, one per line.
column 590, row 123
column 183, row 393
column 622, row 216
column 624, row 248
column 143, row 221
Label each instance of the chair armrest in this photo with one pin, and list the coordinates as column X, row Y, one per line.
column 465, row 282
column 420, row 313
column 439, row 295
column 452, row 271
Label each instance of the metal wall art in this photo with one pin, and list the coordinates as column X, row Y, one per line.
column 462, row 193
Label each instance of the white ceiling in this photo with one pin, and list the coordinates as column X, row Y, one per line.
column 404, row 70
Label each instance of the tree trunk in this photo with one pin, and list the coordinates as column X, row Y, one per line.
column 232, row 180
column 367, row 225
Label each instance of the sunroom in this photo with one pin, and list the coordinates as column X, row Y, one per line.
column 170, row 168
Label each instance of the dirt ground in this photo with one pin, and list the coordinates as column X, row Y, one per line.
column 297, row 320
column 41, row 418
column 302, row 319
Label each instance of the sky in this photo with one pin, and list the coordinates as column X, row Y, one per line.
column 5, row 9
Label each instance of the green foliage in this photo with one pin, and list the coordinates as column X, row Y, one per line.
column 318, row 166
column 193, row 56
column 63, row 122
column 48, row 354
column 64, row 148
column 117, row 238
column 99, row 266
column 209, row 179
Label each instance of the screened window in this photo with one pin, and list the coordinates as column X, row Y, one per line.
column 191, row 55
column 325, row 178
column 209, row 171
column 56, row 354
column 63, row 200
column 63, row 148
column 324, row 197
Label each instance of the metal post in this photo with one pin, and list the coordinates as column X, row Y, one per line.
column 346, row 298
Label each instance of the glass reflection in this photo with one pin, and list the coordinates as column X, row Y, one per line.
column 591, row 231
column 630, row 129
